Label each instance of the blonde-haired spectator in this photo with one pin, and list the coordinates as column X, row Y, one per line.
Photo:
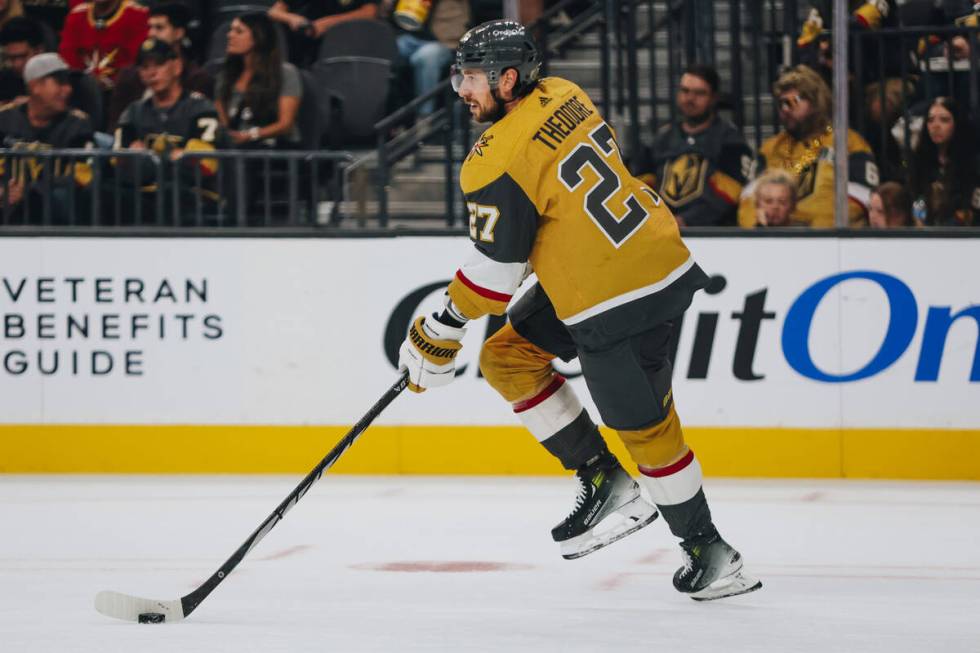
column 804, row 149
column 775, row 199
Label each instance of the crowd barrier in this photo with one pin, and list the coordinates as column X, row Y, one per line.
column 224, row 188
column 809, row 355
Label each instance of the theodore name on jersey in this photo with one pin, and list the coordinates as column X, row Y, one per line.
column 560, row 124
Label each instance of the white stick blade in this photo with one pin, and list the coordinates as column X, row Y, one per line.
column 129, row 608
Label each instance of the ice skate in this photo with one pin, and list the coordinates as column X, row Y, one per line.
column 608, row 507
column 712, row 570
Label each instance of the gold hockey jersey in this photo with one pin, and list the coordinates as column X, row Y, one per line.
column 547, row 185
column 811, row 164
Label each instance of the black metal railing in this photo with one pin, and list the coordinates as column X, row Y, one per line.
column 454, row 124
column 82, row 187
column 920, row 69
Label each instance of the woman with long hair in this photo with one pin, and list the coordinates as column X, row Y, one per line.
column 257, row 93
column 944, row 182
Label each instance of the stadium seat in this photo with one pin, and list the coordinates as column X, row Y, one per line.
column 221, row 10
column 364, row 38
column 50, row 37
column 311, row 116
column 86, row 95
column 354, row 65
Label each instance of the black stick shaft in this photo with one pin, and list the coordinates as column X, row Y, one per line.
column 191, row 601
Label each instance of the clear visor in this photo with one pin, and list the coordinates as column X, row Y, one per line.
column 471, row 80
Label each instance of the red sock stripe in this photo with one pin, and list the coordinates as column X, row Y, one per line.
column 481, row 291
column 552, row 388
column 660, row 472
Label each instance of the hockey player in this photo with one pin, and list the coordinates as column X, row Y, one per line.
column 546, row 188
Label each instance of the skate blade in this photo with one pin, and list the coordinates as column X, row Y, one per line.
column 733, row 585
column 636, row 514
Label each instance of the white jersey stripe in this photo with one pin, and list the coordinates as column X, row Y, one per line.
column 632, row 295
column 486, row 273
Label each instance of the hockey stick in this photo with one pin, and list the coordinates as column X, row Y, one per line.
column 134, row 608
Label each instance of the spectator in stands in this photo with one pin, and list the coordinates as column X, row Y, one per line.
column 102, row 37
column 880, row 126
column 804, row 148
column 775, row 199
column 168, row 23
column 421, row 49
column 700, row 164
column 944, row 60
column 43, row 121
column 889, row 207
column 257, row 94
column 308, row 20
column 170, row 121
column 10, row 9
column 945, row 176
column 20, row 39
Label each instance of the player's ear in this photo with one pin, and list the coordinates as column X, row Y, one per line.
column 508, row 80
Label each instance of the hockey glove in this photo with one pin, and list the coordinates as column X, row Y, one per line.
column 429, row 353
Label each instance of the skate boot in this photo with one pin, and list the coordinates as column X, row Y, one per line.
column 712, row 570
column 608, row 508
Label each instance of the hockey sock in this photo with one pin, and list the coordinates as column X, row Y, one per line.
column 676, row 489
column 556, row 418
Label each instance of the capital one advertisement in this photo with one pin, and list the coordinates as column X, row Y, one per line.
column 792, row 332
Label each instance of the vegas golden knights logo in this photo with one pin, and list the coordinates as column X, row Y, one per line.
column 481, row 144
column 684, row 179
column 806, row 181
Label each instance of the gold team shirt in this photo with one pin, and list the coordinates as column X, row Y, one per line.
column 811, row 164
column 547, row 185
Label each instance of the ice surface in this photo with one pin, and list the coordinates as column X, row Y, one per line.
column 847, row 566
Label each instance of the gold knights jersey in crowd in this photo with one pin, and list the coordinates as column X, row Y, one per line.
column 811, row 164
column 546, row 184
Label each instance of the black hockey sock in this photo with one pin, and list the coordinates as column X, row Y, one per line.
column 689, row 519
column 578, row 443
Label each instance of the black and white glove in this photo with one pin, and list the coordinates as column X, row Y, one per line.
column 429, row 353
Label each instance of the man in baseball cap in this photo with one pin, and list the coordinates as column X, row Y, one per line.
column 155, row 50
column 48, row 84
column 45, row 119
column 44, row 65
